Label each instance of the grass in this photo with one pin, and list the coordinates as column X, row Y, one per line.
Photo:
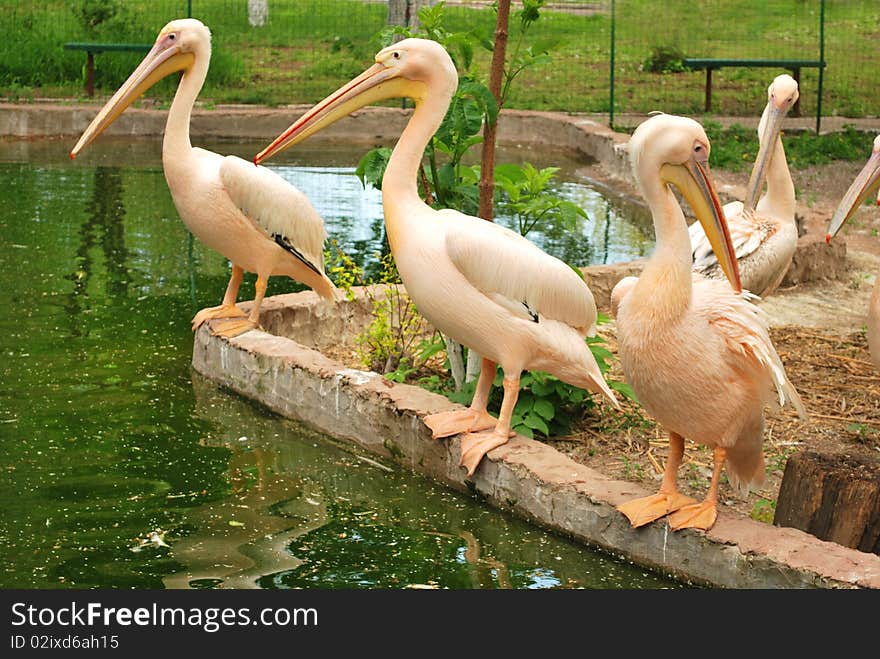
column 735, row 148
column 310, row 47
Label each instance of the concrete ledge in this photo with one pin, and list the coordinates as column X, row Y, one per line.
column 529, row 478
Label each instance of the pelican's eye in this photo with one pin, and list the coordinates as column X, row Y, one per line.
column 172, row 37
column 396, row 54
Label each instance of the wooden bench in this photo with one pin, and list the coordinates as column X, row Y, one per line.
column 92, row 48
column 793, row 65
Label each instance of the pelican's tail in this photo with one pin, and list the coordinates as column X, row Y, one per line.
column 324, row 287
column 568, row 357
column 745, row 467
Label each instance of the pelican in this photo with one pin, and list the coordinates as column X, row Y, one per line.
column 865, row 184
column 249, row 214
column 481, row 284
column 764, row 233
column 695, row 351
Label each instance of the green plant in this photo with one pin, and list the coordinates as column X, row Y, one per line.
column 763, row 511
column 525, row 198
column 393, row 342
column 664, row 59
column 92, row 13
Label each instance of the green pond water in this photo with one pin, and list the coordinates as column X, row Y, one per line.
column 107, row 436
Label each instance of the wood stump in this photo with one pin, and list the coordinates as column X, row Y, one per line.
column 833, row 497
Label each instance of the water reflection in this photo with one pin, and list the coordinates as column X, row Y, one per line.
column 102, row 227
column 303, row 512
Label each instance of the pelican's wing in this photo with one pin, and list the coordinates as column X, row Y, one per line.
column 516, row 274
column 744, row 327
column 747, row 233
column 276, row 208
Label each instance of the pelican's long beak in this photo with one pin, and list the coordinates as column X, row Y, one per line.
column 867, row 182
column 775, row 113
column 161, row 61
column 378, row 83
column 693, row 180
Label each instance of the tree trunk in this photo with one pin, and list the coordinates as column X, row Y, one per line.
column 456, row 361
column 833, row 497
column 406, row 12
column 496, row 76
column 258, row 12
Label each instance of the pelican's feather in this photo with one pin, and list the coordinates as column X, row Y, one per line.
column 516, row 274
column 744, row 328
column 748, row 232
column 277, row 208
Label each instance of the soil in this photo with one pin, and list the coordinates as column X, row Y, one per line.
column 818, row 331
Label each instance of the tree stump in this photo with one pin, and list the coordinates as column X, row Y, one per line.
column 833, row 497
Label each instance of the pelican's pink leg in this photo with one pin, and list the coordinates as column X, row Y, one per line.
column 701, row 515
column 668, row 499
column 234, row 327
column 473, row 419
column 227, row 308
column 475, row 446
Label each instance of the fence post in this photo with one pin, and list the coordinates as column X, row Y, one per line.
column 611, row 81
column 189, row 8
column 821, row 64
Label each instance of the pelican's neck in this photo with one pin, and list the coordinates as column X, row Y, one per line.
column 664, row 287
column 176, row 145
column 779, row 199
column 399, row 184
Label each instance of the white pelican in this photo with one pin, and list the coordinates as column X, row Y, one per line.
column 482, row 284
column 865, row 184
column 249, row 214
column 696, row 353
column 764, row 233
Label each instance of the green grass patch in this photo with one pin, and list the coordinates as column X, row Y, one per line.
column 735, row 148
column 310, row 47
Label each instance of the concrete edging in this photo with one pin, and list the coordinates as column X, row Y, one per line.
column 526, row 477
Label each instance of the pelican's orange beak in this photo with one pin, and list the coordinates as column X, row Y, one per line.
column 695, row 184
column 867, row 182
column 378, row 83
column 164, row 58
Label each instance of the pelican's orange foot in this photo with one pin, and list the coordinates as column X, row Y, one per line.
column 223, row 311
column 446, row 424
column 233, row 327
column 646, row 509
column 696, row 516
column 475, row 445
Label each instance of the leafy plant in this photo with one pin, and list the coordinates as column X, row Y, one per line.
column 763, row 511
column 664, row 59
column 526, row 199
column 92, row 13
column 393, row 342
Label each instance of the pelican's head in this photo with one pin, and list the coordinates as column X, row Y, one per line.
column 866, row 183
column 408, row 68
column 675, row 150
column 782, row 94
column 177, row 47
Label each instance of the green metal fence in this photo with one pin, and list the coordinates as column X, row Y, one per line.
column 308, row 47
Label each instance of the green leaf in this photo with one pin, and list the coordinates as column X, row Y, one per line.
column 535, row 422
column 544, row 408
column 371, row 167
